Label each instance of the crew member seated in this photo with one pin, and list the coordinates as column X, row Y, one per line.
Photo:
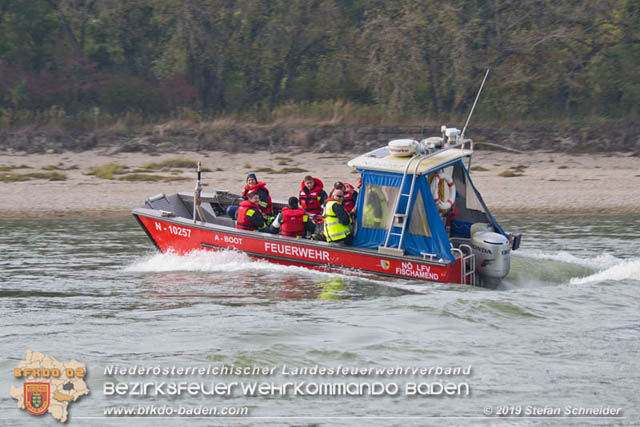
column 312, row 195
column 350, row 195
column 337, row 222
column 249, row 214
column 253, row 185
column 292, row 221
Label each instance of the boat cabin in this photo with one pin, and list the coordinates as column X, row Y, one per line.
column 417, row 198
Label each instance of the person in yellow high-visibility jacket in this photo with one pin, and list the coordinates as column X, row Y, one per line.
column 337, row 222
column 376, row 210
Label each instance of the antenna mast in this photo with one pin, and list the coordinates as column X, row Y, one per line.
column 474, row 104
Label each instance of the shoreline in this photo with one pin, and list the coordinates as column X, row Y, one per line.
column 542, row 182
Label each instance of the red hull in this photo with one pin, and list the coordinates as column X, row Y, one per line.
column 183, row 238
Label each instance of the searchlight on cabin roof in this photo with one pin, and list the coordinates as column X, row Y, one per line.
column 410, row 147
column 452, row 134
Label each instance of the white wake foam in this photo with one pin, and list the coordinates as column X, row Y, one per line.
column 597, row 263
column 625, row 270
column 201, row 261
column 223, row 261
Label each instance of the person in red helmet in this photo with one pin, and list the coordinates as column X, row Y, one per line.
column 253, row 185
column 312, row 195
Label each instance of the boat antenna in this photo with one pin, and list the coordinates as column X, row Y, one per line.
column 197, row 210
column 474, row 104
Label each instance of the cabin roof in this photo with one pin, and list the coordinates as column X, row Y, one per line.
column 381, row 160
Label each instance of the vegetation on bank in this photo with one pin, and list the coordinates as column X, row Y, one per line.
column 174, row 166
column 172, row 163
column 8, row 173
column 123, row 65
column 107, row 170
column 280, row 171
column 16, row 177
column 140, row 177
column 291, row 136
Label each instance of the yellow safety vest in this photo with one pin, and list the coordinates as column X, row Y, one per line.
column 333, row 230
column 370, row 220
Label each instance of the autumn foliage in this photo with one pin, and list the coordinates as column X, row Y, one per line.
column 372, row 59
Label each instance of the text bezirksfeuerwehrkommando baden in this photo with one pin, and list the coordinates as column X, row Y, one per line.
column 299, row 388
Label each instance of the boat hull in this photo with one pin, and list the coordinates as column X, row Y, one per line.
column 182, row 236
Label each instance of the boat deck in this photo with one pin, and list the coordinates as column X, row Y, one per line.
column 178, row 209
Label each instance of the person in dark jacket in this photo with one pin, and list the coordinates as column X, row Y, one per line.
column 253, row 185
column 337, row 222
column 249, row 214
column 293, row 221
column 350, row 195
column 312, row 195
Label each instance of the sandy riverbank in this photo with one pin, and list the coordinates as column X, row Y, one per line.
column 550, row 182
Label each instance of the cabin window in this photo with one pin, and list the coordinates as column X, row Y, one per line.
column 419, row 224
column 378, row 203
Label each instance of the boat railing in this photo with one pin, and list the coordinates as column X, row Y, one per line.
column 467, row 264
column 429, row 257
column 460, row 145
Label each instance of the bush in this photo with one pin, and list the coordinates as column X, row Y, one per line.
column 16, row 177
column 174, row 162
column 107, row 170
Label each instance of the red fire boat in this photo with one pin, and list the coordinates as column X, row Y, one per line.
column 431, row 223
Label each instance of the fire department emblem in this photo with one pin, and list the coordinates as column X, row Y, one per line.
column 36, row 397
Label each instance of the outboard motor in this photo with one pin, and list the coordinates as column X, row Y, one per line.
column 493, row 256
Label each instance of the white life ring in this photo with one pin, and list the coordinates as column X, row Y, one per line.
column 449, row 197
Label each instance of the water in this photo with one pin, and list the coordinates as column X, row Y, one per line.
column 563, row 330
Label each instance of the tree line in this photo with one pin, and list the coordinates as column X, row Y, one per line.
column 548, row 59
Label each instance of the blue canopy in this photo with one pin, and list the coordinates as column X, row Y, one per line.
column 424, row 233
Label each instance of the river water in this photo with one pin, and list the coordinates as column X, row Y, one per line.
column 563, row 331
